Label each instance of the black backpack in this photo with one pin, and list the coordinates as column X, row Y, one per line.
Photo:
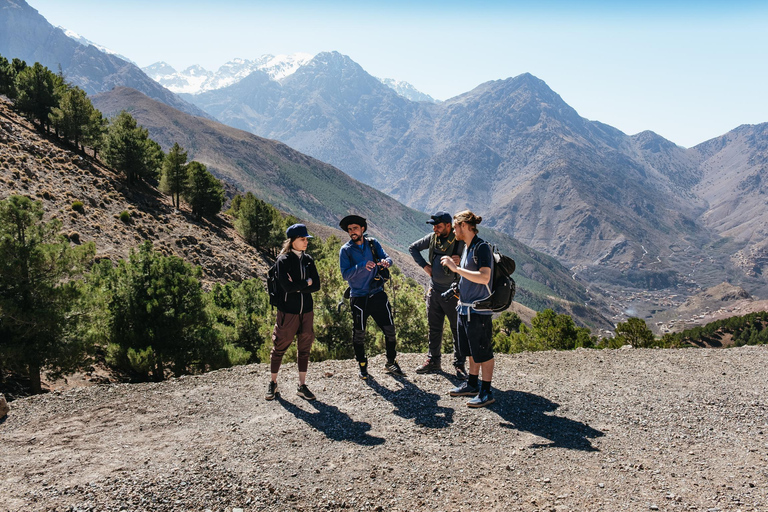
column 273, row 286
column 502, row 287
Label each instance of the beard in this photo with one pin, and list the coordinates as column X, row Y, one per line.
column 355, row 237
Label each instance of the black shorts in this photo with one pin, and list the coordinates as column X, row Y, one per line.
column 476, row 337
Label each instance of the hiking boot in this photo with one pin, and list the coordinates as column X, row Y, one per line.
column 304, row 392
column 482, row 399
column 271, row 391
column 461, row 372
column 362, row 370
column 464, row 389
column 394, row 368
column 430, row 366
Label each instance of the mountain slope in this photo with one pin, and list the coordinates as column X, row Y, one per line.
column 43, row 169
column 291, row 181
column 620, row 209
column 318, row 192
column 734, row 183
column 511, row 150
column 26, row 35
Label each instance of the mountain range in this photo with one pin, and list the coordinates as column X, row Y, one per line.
column 628, row 212
column 317, row 192
column 634, row 210
column 196, row 79
column 27, row 35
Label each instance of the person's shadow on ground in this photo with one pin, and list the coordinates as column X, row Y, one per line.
column 526, row 412
column 336, row 425
column 412, row 402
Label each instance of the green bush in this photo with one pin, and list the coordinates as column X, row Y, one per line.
column 236, row 355
column 141, row 360
column 125, row 216
column 78, row 207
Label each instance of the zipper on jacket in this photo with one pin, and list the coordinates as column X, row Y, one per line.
column 301, row 270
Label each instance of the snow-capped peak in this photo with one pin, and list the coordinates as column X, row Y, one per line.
column 406, row 90
column 196, row 79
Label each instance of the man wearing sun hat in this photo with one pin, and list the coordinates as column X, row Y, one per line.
column 365, row 266
column 441, row 242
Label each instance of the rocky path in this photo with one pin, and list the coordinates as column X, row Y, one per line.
column 582, row 430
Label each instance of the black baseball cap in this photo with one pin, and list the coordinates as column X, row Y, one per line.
column 440, row 217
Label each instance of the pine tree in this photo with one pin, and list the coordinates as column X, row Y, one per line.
column 635, row 332
column 36, row 93
column 157, row 311
column 8, row 74
column 38, row 291
column 203, row 191
column 76, row 118
column 174, row 174
column 128, row 149
column 259, row 223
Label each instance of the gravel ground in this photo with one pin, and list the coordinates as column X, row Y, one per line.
column 581, row 430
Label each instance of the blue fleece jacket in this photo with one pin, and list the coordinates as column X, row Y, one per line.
column 352, row 260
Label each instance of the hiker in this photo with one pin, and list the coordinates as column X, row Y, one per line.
column 441, row 242
column 475, row 327
column 365, row 267
column 297, row 278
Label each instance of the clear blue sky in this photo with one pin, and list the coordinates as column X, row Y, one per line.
column 689, row 71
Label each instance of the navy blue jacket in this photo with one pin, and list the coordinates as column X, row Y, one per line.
column 352, row 259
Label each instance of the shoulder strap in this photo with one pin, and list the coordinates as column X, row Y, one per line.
column 373, row 250
column 432, row 243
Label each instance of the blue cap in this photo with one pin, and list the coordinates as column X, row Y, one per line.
column 297, row 231
column 440, row 217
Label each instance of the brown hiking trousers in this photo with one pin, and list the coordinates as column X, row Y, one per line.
column 288, row 326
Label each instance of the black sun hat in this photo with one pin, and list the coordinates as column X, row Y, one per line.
column 353, row 219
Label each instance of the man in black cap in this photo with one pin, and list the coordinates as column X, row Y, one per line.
column 441, row 242
column 364, row 265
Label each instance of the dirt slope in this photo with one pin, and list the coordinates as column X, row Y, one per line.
column 583, row 430
column 37, row 167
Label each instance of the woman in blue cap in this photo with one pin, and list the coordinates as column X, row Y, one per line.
column 297, row 277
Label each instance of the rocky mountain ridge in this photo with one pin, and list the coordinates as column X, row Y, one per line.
column 196, row 79
column 624, row 210
column 27, row 35
column 317, row 192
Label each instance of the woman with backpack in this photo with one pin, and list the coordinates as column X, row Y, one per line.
column 297, row 279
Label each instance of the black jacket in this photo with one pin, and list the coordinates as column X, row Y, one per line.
column 292, row 275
